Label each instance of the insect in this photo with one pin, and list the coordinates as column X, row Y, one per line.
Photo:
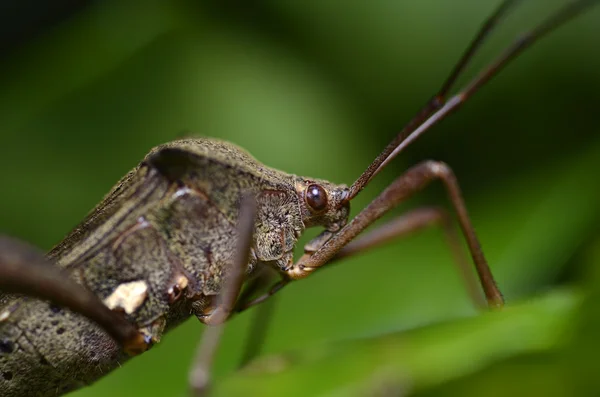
column 311, row 193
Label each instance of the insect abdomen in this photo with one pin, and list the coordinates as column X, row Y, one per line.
column 173, row 238
column 155, row 248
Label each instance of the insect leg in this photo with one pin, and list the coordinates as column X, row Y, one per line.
column 409, row 223
column 398, row 227
column 199, row 375
column 262, row 314
column 261, row 298
column 263, row 277
column 25, row 270
column 412, row 181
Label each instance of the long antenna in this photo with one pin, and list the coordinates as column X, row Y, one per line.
column 438, row 107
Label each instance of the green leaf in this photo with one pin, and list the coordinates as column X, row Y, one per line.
column 409, row 361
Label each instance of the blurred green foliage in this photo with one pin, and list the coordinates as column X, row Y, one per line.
column 318, row 88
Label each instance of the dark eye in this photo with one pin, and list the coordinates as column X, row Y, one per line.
column 316, row 197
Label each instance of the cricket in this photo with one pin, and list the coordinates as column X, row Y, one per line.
column 200, row 228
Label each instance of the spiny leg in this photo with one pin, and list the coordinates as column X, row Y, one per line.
column 434, row 111
column 199, row 375
column 409, row 223
column 412, row 181
column 398, row 227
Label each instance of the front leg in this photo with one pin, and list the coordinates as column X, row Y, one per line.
column 412, row 181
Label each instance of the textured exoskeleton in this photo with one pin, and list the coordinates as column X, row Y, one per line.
column 156, row 248
column 161, row 245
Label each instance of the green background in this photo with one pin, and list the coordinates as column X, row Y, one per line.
column 318, row 88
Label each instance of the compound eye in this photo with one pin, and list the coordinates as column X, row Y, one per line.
column 316, row 197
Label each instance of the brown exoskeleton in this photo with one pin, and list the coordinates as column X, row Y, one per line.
column 163, row 244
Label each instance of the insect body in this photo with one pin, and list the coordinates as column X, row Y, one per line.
column 162, row 243
column 156, row 249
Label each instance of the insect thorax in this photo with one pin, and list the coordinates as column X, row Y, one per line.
column 155, row 248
